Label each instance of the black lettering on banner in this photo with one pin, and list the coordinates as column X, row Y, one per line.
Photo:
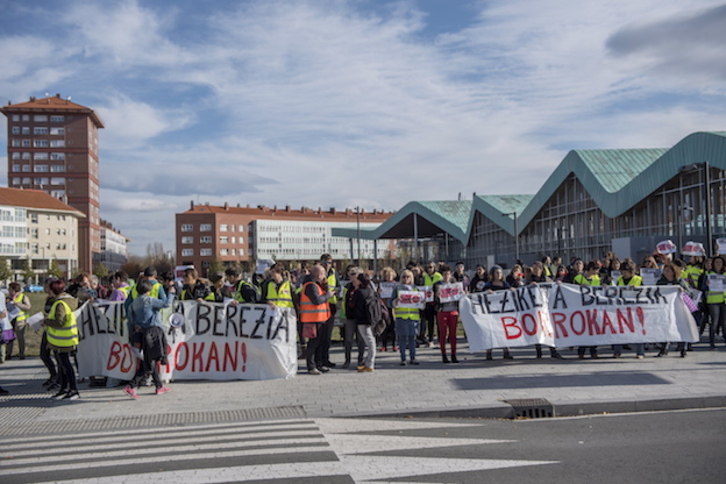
column 204, row 324
column 259, row 322
column 243, row 310
column 218, row 320
column 558, row 300
column 521, row 295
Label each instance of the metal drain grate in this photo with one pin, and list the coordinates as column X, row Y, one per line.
column 160, row 420
column 532, row 408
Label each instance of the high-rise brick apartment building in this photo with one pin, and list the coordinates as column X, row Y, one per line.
column 53, row 147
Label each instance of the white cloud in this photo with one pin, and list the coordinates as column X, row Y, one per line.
column 131, row 123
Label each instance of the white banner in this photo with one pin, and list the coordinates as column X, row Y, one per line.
column 411, row 299
column 564, row 315
column 451, row 292
column 215, row 342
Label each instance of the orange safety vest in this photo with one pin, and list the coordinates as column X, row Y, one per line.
column 313, row 313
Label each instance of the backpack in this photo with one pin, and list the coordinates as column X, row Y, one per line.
column 378, row 313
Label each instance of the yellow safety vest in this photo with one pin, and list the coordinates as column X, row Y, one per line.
column 431, row 280
column 67, row 336
column 332, row 284
column 238, row 291
column 413, row 314
column 714, row 297
column 22, row 315
column 584, row 281
column 636, row 280
column 282, row 297
column 153, row 293
column 692, row 274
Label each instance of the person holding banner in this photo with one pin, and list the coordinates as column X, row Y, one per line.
column 447, row 313
column 497, row 283
column 714, row 287
column 479, row 280
column 244, row 292
column 148, row 330
column 19, row 301
column 672, row 276
column 408, row 318
column 537, row 276
column 590, row 277
column 629, row 278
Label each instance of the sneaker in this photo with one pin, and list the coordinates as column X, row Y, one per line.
column 403, row 362
column 640, row 357
column 366, row 370
column 360, row 367
column 324, row 369
column 128, row 390
column 49, row 382
column 414, row 362
column 4, row 391
column 59, row 395
column 161, row 390
column 72, row 395
column 315, row 371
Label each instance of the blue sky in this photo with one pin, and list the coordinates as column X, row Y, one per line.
column 367, row 103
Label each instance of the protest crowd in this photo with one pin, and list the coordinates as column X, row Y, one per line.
column 417, row 306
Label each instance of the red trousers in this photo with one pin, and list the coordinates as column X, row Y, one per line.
column 447, row 324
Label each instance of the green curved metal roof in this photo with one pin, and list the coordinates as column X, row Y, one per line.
column 450, row 216
column 618, row 179
column 615, row 179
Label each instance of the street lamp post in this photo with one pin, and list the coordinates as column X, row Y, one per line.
column 516, row 234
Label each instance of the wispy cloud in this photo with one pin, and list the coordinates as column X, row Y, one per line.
column 347, row 101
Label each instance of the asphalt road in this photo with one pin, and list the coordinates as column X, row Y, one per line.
column 672, row 447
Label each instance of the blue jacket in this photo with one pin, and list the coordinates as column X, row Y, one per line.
column 144, row 311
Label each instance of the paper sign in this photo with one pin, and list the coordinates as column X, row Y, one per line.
column 650, row 276
column 716, row 283
column 693, row 248
column 411, row 299
column 428, row 291
column 666, row 247
column 386, row 289
column 451, row 292
column 36, row 321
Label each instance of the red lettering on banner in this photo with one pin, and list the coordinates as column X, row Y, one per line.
column 542, row 325
column 529, row 317
column 243, row 350
column 213, row 356
column 230, row 356
column 120, row 356
column 583, row 323
column 592, row 326
column 181, row 346
column 560, row 329
column 197, row 362
column 627, row 321
column 510, row 322
column 607, row 323
column 641, row 317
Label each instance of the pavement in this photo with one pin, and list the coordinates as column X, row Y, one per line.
column 472, row 388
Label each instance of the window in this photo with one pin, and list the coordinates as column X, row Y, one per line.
column 40, row 118
column 187, row 240
column 57, row 119
column 40, row 143
column 34, row 233
column 223, row 227
column 223, row 252
column 16, row 156
column 224, row 240
column 205, row 252
column 57, row 156
column 187, row 252
column 41, row 168
column 187, row 227
column 58, row 193
column 241, row 228
column 26, row 129
column 40, row 130
column 60, row 232
column 26, row 168
column 26, row 181
column 16, row 167
column 241, row 240
column 40, row 155
column 26, row 155
column 57, row 181
column 41, row 180
column 16, row 117
column 57, row 168
column 57, row 143
column 241, row 252
column 234, row 252
column 205, row 227
column 16, row 181
column 57, row 131
column 15, row 130
column 26, row 117
column 205, row 239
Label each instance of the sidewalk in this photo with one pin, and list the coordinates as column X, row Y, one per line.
column 474, row 387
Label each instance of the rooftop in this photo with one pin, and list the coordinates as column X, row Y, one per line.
column 52, row 104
